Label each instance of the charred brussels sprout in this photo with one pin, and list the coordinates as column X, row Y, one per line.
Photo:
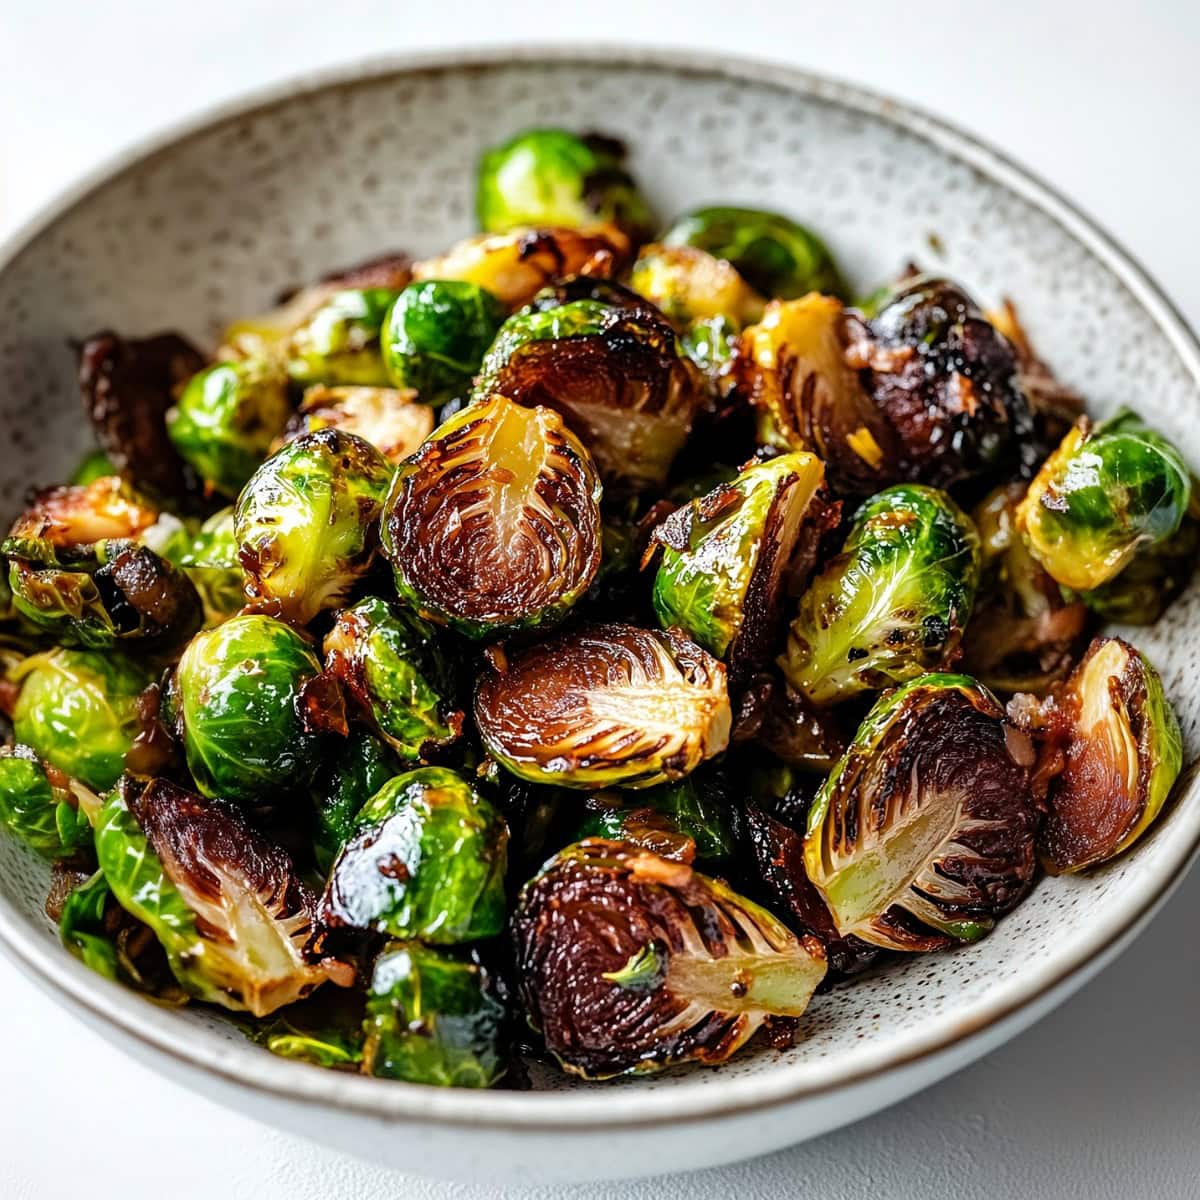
column 923, row 834
column 893, row 604
column 340, row 342
column 40, row 804
column 630, row 962
column 552, row 177
column 307, row 522
column 390, row 664
column 494, row 524
column 78, row 709
column 605, row 706
column 344, row 783
column 436, row 335
column 427, row 862
column 690, row 285
column 724, row 557
column 392, row 420
column 237, row 701
column 1104, row 494
column 234, row 918
column 433, row 1017
column 1123, row 752
column 226, row 419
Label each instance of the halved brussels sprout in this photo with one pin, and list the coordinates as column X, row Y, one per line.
column 307, row 522
column 78, row 709
column 436, row 335
column 392, row 420
column 210, row 561
column 345, row 781
column 923, row 834
column 1124, row 751
column 893, row 604
column 494, row 524
column 427, row 862
column 772, row 252
column 226, row 419
column 690, row 285
column 1107, row 492
column 227, row 906
column 629, row 962
column 40, row 804
column 66, row 518
column 236, row 700
column 340, row 342
column 433, row 1017
column 390, row 665
column 604, row 706
column 724, row 559
column 552, row 177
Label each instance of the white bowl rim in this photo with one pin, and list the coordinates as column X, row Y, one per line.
column 599, row 1108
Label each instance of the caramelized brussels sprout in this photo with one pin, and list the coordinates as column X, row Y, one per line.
column 1123, row 753
column 390, row 665
column 1104, row 494
column 345, row 781
column 427, row 862
column 40, row 804
column 629, row 962
column 771, row 252
column 690, row 285
column 552, row 177
column 392, row 420
column 604, row 706
column 923, row 834
column 226, row 419
column 307, row 522
column 66, row 518
column 433, row 1017
column 236, row 700
column 725, row 555
column 339, row 344
column 494, row 524
column 893, row 604
column 436, row 335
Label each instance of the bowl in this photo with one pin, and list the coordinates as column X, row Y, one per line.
column 215, row 218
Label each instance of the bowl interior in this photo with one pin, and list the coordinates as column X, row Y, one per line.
column 217, row 223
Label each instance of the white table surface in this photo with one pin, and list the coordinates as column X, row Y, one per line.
column 1101, row 1100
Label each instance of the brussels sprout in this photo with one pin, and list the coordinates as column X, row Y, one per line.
column 494, row 524
column 237, row 702
column 552, row 177
column 210, row 561
column 433, row 1017
column 40, row 804
column 629, row 962
column 724, row 558
column 226, row 419
column 361, row 765
column 1124, row 751
column 1153, row 580
column 428, row 861
column 436, row 335
column 393, row 421
column 67, row 518
column 771, row 252
column 1104, row 494
column 390, row 665
column 78, row 709
column 340, row 342
column 307, row 522
column 923, row 834
column 94, row 465
column 234, row 918
column 690, row 285
column 893, row 604
column 605, row 706
column 711, row 345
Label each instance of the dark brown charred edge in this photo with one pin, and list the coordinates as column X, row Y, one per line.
column 153, row 751
column 776, row 717
column 65, row 877
column 142, row 591
column 321, row 705
column 557, row 253
column 392, row 270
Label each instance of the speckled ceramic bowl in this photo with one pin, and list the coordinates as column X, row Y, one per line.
column 215, row 218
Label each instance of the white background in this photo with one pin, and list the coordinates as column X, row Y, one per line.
column 1101, row 1100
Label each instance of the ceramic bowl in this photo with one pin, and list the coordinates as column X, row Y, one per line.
column 215, row 218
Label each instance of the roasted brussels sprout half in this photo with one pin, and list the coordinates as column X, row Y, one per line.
column 307, row 522
column 923, row 834
column 235, row 920
column 604, row 706
column 724, row 558
column 427, row 862
column 436, row 335
column 772, row 253
column 339, row 344
column 392, row 420
column 345, row 781
column 1107, row 492
column 433, row 1017
column 1123, row 753
column 552, row 177
column 390, row 665
column 226, row 419
column 893, row 604
column 80, row 515
column 78, row 709
column 689, row 285
column 629, row 962
column 494, row 524
column 237, row 702
column 39, row 804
